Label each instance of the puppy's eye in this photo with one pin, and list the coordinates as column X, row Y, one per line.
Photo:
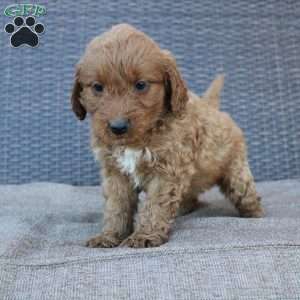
column 141, row 86
column 97, row 87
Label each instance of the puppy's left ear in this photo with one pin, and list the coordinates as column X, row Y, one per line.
column 77, row 107
column 176, row 90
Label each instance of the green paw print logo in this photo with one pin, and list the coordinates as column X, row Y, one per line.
column 24, row 31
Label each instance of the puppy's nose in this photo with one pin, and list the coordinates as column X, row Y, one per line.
column 119, row 126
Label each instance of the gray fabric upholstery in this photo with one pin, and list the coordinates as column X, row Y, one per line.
column 212, row 254
column 256, row 43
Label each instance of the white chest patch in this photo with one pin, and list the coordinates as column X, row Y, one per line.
column 129, row 159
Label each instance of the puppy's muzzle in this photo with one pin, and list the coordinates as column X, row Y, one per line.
column 119, row 126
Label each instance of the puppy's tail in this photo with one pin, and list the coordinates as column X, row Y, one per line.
column 212, row 94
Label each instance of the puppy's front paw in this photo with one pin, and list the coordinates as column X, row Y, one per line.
column 144, row 240
column 103, row 241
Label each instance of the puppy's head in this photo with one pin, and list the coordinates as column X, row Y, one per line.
column 126, row 83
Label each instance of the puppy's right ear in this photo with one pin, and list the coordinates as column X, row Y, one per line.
column 77, row 107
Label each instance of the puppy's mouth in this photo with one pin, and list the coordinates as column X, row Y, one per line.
column 119, row 140
column 126, row 139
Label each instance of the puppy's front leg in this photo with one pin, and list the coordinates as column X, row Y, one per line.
column 120, row 205
column 157, row 215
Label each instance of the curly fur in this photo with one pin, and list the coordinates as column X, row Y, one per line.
column 178, row 145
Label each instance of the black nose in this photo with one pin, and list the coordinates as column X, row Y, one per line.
column 119, row 126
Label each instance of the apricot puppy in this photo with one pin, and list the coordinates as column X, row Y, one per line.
column 150, row 133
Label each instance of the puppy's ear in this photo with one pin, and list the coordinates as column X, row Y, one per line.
column 176, row 90
column 77, row 107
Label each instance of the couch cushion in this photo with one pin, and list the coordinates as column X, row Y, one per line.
column 212, row 253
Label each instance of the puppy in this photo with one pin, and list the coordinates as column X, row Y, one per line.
column 150, row 133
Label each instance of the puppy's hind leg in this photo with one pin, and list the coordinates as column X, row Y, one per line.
column 238, row 185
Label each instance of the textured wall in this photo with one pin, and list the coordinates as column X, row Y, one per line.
column 256, row 43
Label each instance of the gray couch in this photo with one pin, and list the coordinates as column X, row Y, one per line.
column 212, row 254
